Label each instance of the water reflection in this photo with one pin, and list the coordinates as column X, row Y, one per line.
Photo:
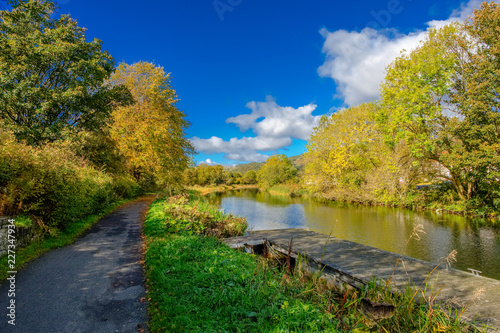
column 476, row 240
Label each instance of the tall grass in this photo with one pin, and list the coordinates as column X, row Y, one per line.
column 290, row 189
column 195, row 215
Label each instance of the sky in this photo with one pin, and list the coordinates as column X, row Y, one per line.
column 255, row 76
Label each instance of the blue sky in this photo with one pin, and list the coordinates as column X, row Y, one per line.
column 254, row 76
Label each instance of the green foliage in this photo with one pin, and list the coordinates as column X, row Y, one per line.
column 99, row 150
column 124, row 186
column 23, row 221
column 441, row 99
column 183, row 214
column 250, row 177
column 51, row 183
column 204, row 175
column 476, row 96
column 232, row 177
column 347, row 159
column 51, row 79
column 277, row 170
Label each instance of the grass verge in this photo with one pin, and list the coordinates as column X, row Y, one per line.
column 292, row 190
column 70, row 234
column 198, row 284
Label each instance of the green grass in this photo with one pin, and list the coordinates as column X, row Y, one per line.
column 49, row 242
column 198, row 284
column 23, row 221
column 292, row 190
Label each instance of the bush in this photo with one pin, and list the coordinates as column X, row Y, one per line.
column 125, row 186
column 194, row 215
column 52, row 184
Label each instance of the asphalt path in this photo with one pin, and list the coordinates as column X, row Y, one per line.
column 94, row 285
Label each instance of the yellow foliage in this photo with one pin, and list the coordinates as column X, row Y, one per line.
column 347, row 159
column 151, row 132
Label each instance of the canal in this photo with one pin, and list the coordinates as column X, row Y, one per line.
column 477, row 241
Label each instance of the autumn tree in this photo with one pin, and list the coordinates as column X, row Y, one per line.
column 250, row 177
column 277, row 170
column 51, row 78
column 216, row 174
column 347, row 159
column 99, row 149
column 151, row 132
column 441, row 99
column 189, row 177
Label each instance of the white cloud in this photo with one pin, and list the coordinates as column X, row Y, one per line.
column 466, row 9
column 275, row 127
column 208, row 162
column 279, row 121
column 216, row 145
column 247, row 157
column 357, row 60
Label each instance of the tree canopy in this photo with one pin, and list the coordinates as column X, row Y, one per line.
column 51, row 79
column 442, row 100
column 151, row 132
column 347, row 158
column 278, row 169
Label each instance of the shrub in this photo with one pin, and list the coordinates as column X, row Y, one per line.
column 52, row 184
column 125, row 186
column 192, row 215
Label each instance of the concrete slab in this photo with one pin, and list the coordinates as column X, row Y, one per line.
column 357, row 264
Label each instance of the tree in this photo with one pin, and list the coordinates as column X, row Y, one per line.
column 100, row 149
column 216, row 174
column 347, row 159
column 151, row 132
column 441, row 99
column 189, row 177
column 416, row 105
column 277, row 170
column 250, row 177
column 51, row 79
column 476, row 95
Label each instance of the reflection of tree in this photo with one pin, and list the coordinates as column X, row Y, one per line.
column 275, row 200
column 261, row 196
column 213, row 199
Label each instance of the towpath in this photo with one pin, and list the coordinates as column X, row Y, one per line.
column 94, row 285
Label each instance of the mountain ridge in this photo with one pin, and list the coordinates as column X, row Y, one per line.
column 297, row 161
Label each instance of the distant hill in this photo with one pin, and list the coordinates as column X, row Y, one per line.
column 297, row 161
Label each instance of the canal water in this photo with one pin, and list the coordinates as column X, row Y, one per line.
column 477, row 241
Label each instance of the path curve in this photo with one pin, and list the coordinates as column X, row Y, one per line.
column 94, row 285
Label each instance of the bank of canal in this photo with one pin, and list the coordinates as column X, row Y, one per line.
column 476, row 240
